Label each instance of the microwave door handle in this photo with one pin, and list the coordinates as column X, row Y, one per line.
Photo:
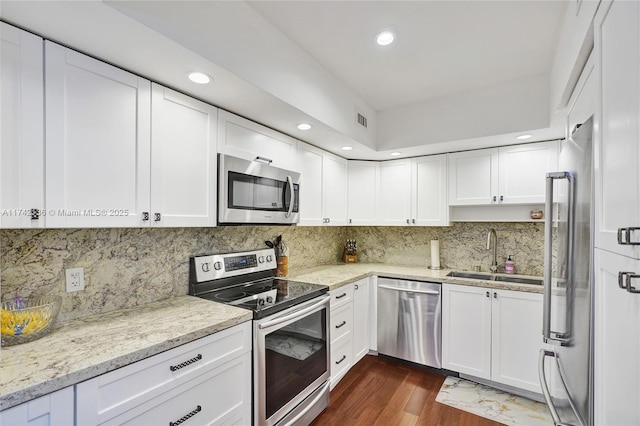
column 290, row 183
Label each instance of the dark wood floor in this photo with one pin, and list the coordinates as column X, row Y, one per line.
column 381, row 391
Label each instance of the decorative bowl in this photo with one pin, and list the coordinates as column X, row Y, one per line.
column 27, row 319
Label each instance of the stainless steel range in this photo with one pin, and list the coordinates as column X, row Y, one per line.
column 290, row 332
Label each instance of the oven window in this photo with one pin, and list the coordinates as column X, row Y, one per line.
column 295, row 356
column 249, row 192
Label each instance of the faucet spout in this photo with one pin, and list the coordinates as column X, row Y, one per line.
column 494, row 264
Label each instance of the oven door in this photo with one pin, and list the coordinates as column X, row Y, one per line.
column 291, row 363
column 255, row 192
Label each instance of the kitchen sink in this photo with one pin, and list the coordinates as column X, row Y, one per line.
column 518, row 280
column 471, row 275
column 489, row 277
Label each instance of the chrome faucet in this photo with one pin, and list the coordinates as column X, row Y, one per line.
column 494, row 265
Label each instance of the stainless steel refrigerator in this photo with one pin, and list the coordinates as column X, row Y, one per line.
column 568, row 276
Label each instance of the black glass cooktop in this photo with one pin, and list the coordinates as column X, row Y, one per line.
column 266, row 296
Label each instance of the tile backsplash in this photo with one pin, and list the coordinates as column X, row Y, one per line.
column 129, row 267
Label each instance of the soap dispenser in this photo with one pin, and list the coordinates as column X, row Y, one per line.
column 509, row 266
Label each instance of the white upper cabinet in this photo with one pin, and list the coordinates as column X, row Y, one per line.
column 395, row 193
column 414, row 192
column 617, row 146
column 508, row 175
column 97, row 142
column 323, row 199
column 246, row 139
column 22, row 130
column 363, row 190
column 183, row 160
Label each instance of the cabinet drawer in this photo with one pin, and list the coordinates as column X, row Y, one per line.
column 219, row 396
column 341, row 296
column 116, row 392
column 341, row 322
column 341, row 358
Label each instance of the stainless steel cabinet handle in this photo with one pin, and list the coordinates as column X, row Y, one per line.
column 408, row 221
column 356, row 286
column 341, row 296
column 157, row 217
column 187, row 362
column 342, row 324
column 621, row 279
column 494, row 198
column 629, row 277
column 495, row 295
column 407, row 290
column 341, row 359
column 145, row 216
column 292, row 200
column 557, row 338
column 328, row 220
column 501, row 198
column 413, row 221
column 624, row 236
column 488, row 294
column 186, row 416
column 264, row 160
column 350, row 221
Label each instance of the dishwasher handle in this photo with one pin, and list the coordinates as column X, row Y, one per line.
column 409, row 290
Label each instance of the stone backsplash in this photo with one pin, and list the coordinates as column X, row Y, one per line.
column 129, row 267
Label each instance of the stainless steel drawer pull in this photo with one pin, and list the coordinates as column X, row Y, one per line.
column 341, row 296
column 341, row 324
column 624, row 236
column 341, row 359
column 186, row 417
column 184, row 364
column 630, row 288
column 621, row 279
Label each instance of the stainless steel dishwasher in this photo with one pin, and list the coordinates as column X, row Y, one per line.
column 409, row 320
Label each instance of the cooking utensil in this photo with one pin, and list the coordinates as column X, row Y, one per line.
column 269, row 244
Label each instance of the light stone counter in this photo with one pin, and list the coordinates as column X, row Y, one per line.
column 336, row 276
column 80, row 349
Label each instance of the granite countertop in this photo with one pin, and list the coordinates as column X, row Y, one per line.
column 337, row 275
column 80, row 349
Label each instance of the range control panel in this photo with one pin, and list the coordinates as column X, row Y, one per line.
column 216, row 266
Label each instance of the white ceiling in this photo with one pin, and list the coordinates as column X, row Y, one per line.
column 283, row 62
column 441, row 47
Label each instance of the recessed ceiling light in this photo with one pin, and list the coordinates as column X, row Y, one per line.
column 395, row 154
column 385, row 38
column 199, row 77
column 304, row 126
column 523, row 137
column 347, row 148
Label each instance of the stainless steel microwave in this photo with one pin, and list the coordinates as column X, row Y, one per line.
column 254, row 192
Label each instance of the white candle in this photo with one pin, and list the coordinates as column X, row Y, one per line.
column 435, row 253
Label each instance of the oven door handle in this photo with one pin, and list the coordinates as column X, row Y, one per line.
column 298, row 313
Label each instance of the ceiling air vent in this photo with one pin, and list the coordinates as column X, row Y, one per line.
column 362, row 120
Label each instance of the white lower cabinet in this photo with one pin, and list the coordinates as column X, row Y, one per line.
column 492, row 334
column 341, row 332
column 208, row 380
column 361, row 320
column 53, row 409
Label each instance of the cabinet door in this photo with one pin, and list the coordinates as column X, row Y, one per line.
column 334, row 189
column 246, row 139
column 363, row 181
column 523, row 169
column 617, row 153
column 516, row 338
column 617, row 342
column 97, row 142
column 466, row 330
column 395, row 193
column 361, row 311
column 22, row 130
column 183, row 160
column 473, row 177
column 53, row 409
column 429, row 191
column 310, row 160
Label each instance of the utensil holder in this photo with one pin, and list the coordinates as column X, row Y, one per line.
column 350, row 258
column 282, row 266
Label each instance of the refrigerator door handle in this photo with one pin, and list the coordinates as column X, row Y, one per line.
column 548, row 335
column 545, row 388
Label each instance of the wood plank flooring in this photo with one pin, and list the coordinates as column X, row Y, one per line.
column 382, row 391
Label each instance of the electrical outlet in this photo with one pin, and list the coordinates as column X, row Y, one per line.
column 75, row 279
